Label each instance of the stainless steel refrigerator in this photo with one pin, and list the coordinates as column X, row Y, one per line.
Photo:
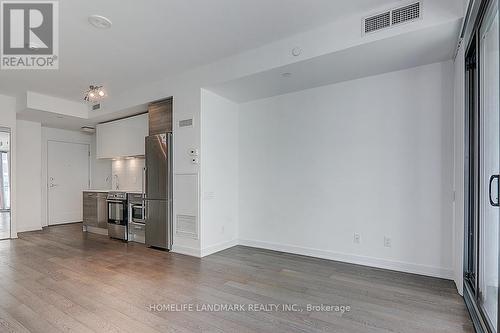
column 158, row 191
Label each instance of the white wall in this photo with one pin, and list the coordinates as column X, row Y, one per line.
column 100, row 170
column 128, row 174
column 219, row 173
column 371, row 156
column 185, row 87
column 31, row 150
column 29, row 169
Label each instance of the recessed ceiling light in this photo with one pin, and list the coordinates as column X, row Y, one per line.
column 100, row 22
column 287, row 75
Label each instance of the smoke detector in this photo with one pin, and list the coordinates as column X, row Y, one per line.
column 100, row 22
column 296, row 51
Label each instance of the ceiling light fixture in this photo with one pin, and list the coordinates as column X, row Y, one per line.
column 94, row 93
column 100, row 22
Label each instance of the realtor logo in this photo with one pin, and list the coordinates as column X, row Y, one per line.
column 29, row 35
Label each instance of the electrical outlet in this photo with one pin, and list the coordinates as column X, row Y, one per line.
column 357, row 238
column 193, row 152
column 387, row 241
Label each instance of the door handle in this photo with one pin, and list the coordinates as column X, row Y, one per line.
column 492, row 178
column 143, row 184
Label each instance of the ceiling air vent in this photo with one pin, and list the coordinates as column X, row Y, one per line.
column 377, row 22
column 186, row 122
column 392, row 17
column 406, row 13
column 96, row 106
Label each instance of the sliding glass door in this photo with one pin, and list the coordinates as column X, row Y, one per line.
column 482, row 232
column 489, row 160
column 5, row 196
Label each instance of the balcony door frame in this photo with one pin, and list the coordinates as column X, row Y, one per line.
column 476, row 15
column 8, row 130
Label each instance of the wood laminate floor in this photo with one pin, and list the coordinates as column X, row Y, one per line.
column 62, row 280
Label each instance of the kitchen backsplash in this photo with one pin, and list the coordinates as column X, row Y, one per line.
column 127, row 174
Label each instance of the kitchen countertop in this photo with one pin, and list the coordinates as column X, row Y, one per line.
column 106, row 191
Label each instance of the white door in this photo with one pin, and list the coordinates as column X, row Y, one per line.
column 68, row 176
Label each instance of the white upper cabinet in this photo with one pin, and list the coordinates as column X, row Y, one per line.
column 122, row 138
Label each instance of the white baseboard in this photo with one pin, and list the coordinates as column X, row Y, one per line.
column 401, row 266
column 189, row 251
column 218, row 247
column 37, row 228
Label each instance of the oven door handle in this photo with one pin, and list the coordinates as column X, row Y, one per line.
column 116, row 201
column 145, row 208
column 138, row 224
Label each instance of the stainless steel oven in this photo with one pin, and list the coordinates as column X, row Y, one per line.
column 136, row 208
column 117, row 215
column 137, row 218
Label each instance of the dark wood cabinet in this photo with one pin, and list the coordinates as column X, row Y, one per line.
column 95, row 209
column 160, row 116
column 90, row 209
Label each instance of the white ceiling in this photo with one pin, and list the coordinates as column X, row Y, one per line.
column 151, row 39
column 407, row 50
column 55, row 120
